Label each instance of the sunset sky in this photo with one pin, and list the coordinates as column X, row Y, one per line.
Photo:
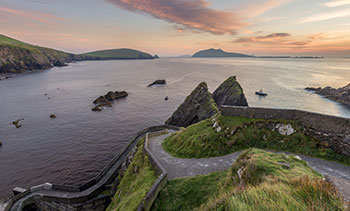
column 177, row 27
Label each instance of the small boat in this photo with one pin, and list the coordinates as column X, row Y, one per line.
column 261, row 93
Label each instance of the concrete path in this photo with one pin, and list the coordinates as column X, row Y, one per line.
column 178, row 167
column 337, row 173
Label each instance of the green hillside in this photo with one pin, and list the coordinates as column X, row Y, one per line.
column 17, row 56
column 123, row 53
column 217, row 53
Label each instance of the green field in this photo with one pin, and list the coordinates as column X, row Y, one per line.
column 269, row 181
column 202, row 140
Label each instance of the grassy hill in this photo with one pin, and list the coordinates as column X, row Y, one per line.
column 267, row 181
column 202, row 140
column 123, row 53
column 217, row 53
column 17, row 56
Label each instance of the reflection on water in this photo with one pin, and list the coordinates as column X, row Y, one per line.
column 77, row 144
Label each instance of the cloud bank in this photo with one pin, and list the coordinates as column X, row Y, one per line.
column 193, row 14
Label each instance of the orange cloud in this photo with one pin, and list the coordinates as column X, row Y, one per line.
column 193, row 14
column 267, row 38
column 36, row 16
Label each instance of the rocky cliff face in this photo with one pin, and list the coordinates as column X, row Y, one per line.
column 199, row 105
column 231, row 93
column 17, row 59
column 341, row 95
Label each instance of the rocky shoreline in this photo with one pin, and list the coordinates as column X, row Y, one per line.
column 341, row 95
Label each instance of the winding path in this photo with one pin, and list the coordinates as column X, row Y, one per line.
column 337, row 173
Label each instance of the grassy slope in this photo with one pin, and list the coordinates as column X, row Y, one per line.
column 267, row 185
column 136, row 182
column 7, row 41
column 123, row 53
column 201, row 140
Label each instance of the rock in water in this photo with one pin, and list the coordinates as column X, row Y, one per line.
column 341, row 95
column 230, row 93
column 199, row 105
column 158, row 82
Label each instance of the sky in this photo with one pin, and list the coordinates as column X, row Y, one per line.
column 182, row 27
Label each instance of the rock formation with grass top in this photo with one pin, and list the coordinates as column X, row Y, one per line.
column 199, row 105
column 230, row 92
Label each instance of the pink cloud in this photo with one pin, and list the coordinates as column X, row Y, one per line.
column 193, row 14
column 36, row 16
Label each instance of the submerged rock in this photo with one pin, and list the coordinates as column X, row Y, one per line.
column 199, row 105
column 158, row 82
column 17, row 123
column 230, row 93
column 341, row 95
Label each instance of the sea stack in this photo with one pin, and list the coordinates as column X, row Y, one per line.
column 199, row 105
column 230, row 93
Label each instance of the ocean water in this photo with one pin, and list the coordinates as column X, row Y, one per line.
column 75, row 146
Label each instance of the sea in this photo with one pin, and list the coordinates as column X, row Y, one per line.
column 75, row 146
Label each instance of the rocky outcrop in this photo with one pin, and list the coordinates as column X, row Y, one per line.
column 158, row 82
column 230, row 93
column 199, row 105
column 341, row 95
column 105, row 101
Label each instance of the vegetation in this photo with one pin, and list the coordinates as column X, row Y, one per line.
column 136, row 182
column 123, row 53
column 268, row 181
column 237, row 133
column 217, row 53
column 188, row 193
column 17, row 56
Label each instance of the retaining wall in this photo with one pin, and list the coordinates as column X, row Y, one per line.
column 162, row 179
column 335, row 131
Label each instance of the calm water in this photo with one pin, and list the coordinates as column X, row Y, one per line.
column 75, row 146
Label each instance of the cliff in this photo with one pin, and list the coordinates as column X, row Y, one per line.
column 341, row 95
column 230, row 92
column 199, row 105
column 217, row 53
column 18, row 57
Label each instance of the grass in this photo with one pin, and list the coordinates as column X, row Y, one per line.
column 136, row 182
column 202, row 140
column 269, row 181
column 185, row 194
column 123, row 53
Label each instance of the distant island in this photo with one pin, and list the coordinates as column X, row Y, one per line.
column 217, row 53
column 17, row 56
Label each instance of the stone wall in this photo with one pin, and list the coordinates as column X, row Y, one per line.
column 162, row 179
column 330, row 130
